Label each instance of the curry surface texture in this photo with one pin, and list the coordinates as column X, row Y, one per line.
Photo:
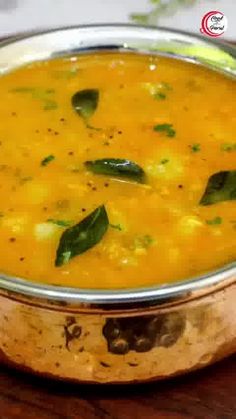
column 172, row 126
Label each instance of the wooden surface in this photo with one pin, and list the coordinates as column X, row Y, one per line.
column 207, row 394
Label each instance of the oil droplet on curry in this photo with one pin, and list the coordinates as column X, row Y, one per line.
column 116, row 170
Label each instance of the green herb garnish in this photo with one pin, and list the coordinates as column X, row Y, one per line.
column 143, row 241
column 166, row 129
column 214, row 221
column 159, row 96
column 157, row 90
column 228, row 147
column 23, row 89
column 47, row 160
column 117, row 167
column 85, row 103
column 50, row 105
column 195, row 148
column 42, row 94
column 60, row 223
column 220, row 187
column 165, row 161
column 38, row 93
column 116, row 226
column 82, row 236
column 25, row 179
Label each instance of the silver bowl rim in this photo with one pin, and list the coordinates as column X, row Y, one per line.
column 130, row 296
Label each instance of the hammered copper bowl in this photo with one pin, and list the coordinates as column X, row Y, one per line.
column 129, row 335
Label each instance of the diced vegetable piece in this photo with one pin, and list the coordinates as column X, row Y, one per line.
column 45, row 231
column 189, row 224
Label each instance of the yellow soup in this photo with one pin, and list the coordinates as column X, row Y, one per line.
column 116, row 170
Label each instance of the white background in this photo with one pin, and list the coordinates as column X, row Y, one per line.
column 22, row 15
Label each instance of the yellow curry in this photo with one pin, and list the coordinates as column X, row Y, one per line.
column 116, row 170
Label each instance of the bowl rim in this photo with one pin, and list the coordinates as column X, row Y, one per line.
column 159, row 293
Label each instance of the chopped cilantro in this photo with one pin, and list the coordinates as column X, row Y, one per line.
column 47, row 160
column 165, row 128
column 195, row 148
column 50, row 105
column 116, row 226
column 159, row 96
column 25, row 179
column 228, row 147
column 40, row 94
column 214, row 221
column 158, row 91
column 23, row 89
column 165, row 85
column 60, row 223
column 164, row 161
column 143, row 241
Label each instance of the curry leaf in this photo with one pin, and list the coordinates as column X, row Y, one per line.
column 117, row 167
column 85, row 102
column 220, row 187
column 82, row 236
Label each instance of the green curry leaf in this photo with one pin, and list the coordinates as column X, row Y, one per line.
column 117, row 167
column 82, row 236
column 220, row 187
column 85, row 103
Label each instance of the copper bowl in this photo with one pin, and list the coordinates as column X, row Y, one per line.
column 121, row 336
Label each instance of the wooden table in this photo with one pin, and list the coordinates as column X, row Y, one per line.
column 207, row 394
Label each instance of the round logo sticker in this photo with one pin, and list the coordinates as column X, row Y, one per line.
column 214, row 23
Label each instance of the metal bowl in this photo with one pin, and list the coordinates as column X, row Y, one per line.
column 128, row 335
